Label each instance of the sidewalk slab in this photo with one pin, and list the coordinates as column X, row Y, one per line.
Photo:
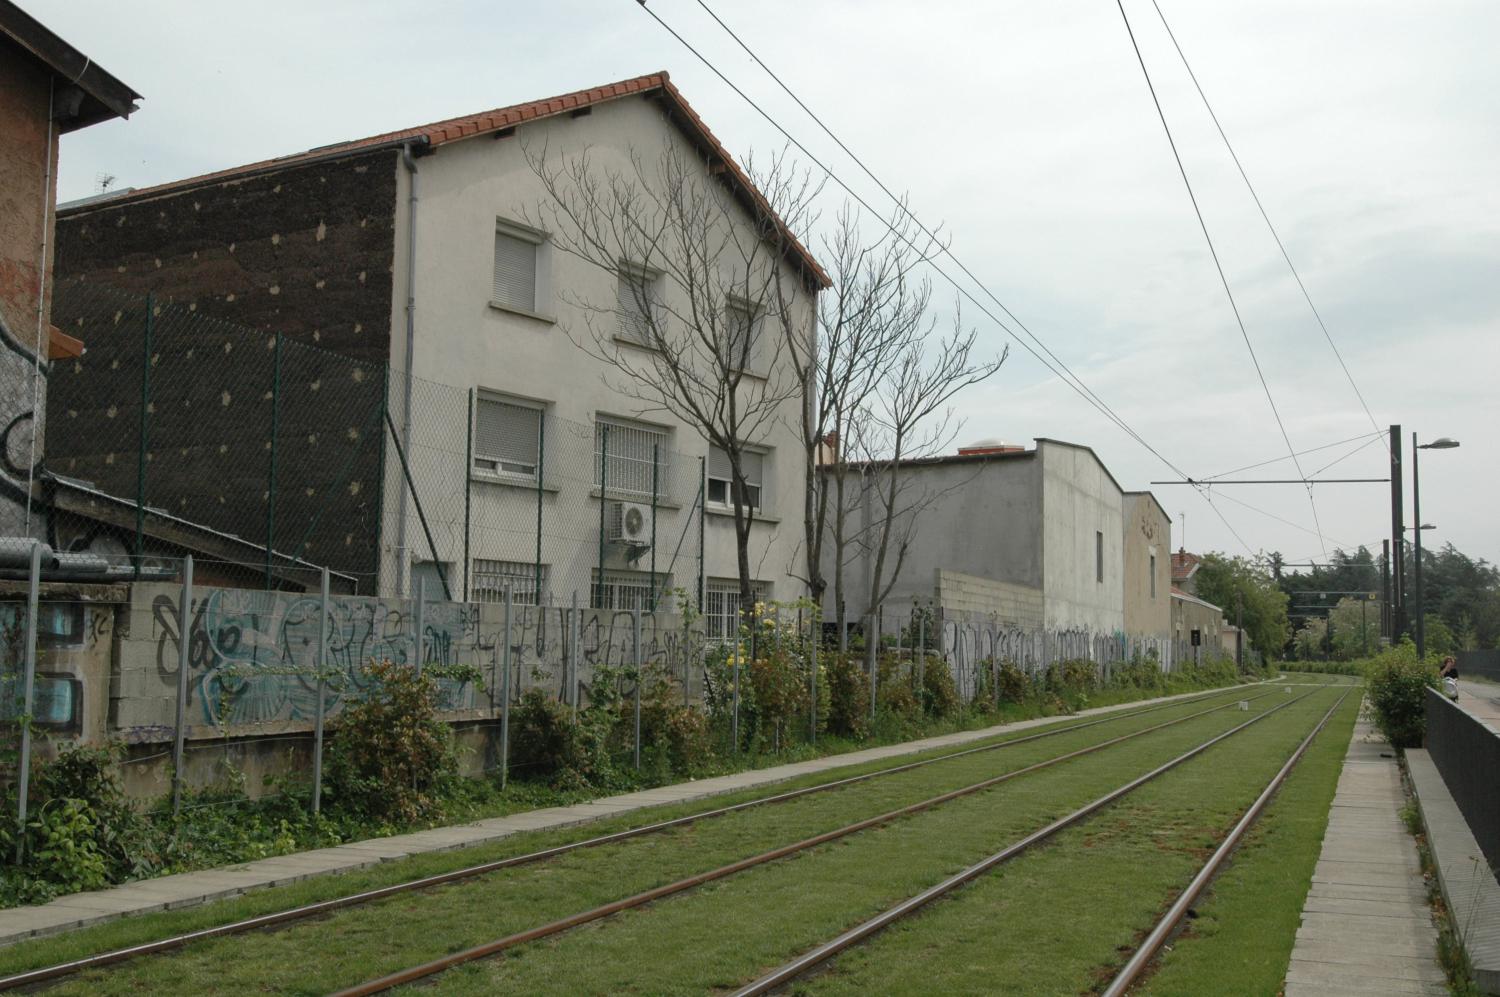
column 1366, row 925
column 184, row 889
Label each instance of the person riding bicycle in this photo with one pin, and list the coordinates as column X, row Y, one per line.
column 1449, row 675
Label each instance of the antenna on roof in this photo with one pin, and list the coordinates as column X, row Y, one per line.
column 1182, row 539
column 104, row 181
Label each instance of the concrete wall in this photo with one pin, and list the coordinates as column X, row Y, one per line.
column 1081, row 500
column 1148, row 535
column 26, row 198
column 1191, row 613
column 463, row 342
column 1007, row 603
column 976, row 517
column 75, row 646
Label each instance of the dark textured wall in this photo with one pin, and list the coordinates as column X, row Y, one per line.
column 305, row 252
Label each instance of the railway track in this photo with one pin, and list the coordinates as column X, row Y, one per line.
column 54, row 973
column 490, row 949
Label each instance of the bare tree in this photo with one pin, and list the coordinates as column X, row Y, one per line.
column 704, row 263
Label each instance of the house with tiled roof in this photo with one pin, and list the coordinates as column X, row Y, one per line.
column 424, row 250
column 1184, row 567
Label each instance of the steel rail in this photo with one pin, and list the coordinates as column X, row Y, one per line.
column 817, row 956
column 277, row 918
column 1132, row 970
column 492, row 948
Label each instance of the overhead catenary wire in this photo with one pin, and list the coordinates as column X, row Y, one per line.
column 1276, row 460
column 1272, row 228
column 1219, row 266
column 1070, row 378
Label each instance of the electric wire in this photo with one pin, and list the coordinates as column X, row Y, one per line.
column 1071, row 379
column 1276, row 460
column 1267, row 218
column 1223, row 278
column 1351, row 453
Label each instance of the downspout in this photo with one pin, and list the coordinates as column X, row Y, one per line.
column 410, row 162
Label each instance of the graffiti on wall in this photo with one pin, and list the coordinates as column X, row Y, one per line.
column 253, row 656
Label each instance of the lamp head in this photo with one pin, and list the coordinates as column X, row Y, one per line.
column 1441, row 443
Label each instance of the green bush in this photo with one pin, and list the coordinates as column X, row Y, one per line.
column 1397, row 689
column 848, row 695
column 390, row 757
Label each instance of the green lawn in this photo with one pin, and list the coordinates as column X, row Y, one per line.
column 343, row 948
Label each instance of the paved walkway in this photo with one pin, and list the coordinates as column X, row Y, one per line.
column 1366, row 927
column 1482, row 699
column 186, row 889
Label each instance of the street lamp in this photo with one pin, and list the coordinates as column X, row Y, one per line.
column 1441, row 443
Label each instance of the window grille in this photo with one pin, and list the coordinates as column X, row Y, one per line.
column 721, row 609
column 721, row 477
column 507, row 437
column 626, row 589
column 628, row 463
column 515, row 270
column 491, row 577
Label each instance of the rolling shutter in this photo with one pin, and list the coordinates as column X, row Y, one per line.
column 515, row 272
column 508, row 434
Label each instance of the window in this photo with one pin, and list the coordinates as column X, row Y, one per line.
column 491, row 577
column 721, row 609
column 640, row 306
column 507, row 438
column 721, row 479
column 516, row 252
column 631, row 458
column 1099, row 555
column 742, row 337
column 1153, row 576
column 626, row 589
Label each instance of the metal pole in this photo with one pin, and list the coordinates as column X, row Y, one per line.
column 381, row 416
column 541, row 458
column 33, row 589
column 468, row 488
column 1385, row 590
column 184, row 641
column 655, row 485
column 143, row 436
column 734, row 727
column 598, row 600
column 638, row 676
column 419, row 611
column 317, row 801
column 922, row 653
column 421, row 516
column 702, row 529
column 812, row 668
column 271, row 468
column 870, row 658
column 1398, row 557
column 1239, row 630
column 505, row 690
column 1364, row 634
column 1416, row 529
column 572, row 665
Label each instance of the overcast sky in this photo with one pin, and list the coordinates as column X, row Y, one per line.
column 1371, row 130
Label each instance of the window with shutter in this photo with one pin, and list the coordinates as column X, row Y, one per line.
column 721, row 477
column 639, row 305
column 507, row 438
column 515, row 269
column 742, row 337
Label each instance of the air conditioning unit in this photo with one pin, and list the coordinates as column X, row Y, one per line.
column 629, row 523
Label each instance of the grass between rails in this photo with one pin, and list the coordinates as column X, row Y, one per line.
column 916, row 785
column 1241, row 940
column 1061, row 918
column 350, row 946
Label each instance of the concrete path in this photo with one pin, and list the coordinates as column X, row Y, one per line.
column 1482, row 699
column 1366, row 927
column 186, row 889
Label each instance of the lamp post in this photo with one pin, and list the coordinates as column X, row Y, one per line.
column 1441, row 443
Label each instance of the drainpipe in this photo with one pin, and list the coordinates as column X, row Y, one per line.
column 410, row 162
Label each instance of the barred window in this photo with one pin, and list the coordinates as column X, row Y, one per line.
column 515, row 267
column 721, row 606
column 721, row 478
column 633, row 459
column 491, row 577
column 626, row 589
column 507, row 438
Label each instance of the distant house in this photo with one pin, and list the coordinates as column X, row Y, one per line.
column 1198, row 625
column 411, row 251
column 1034, row 538
column 47, row 89
column 1184, row 568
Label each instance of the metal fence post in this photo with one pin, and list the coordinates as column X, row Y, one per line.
column 598, row 600
column 702, row 527
column 33, row 589
column 419, row 613
column 468, row 489
column 812, row 670
column 143, row 436
column 317, row 800
column 505, row 687
column 734, row 724
column 655, row 486
column 871, row 658
column 922, row 652
column 638, row 677
column 184, row 641
column 271, row 468
column 570, row 668
column 541, row 459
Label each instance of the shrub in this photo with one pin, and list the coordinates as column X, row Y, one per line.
column 848, row 695
column 894, row 692
column 390, row 756
column 1014, row 686
column 1398, row 685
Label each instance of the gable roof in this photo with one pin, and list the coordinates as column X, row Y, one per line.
column 89, row 95
column 439, row 133
column 1183, row 565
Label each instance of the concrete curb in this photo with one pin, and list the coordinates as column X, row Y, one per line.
column 187, row 889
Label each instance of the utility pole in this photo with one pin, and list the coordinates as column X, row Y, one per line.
column 1398, row 559
column 1385, row 592
column 1239, row 630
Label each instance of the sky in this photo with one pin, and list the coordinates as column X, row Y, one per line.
column 1370, row 129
